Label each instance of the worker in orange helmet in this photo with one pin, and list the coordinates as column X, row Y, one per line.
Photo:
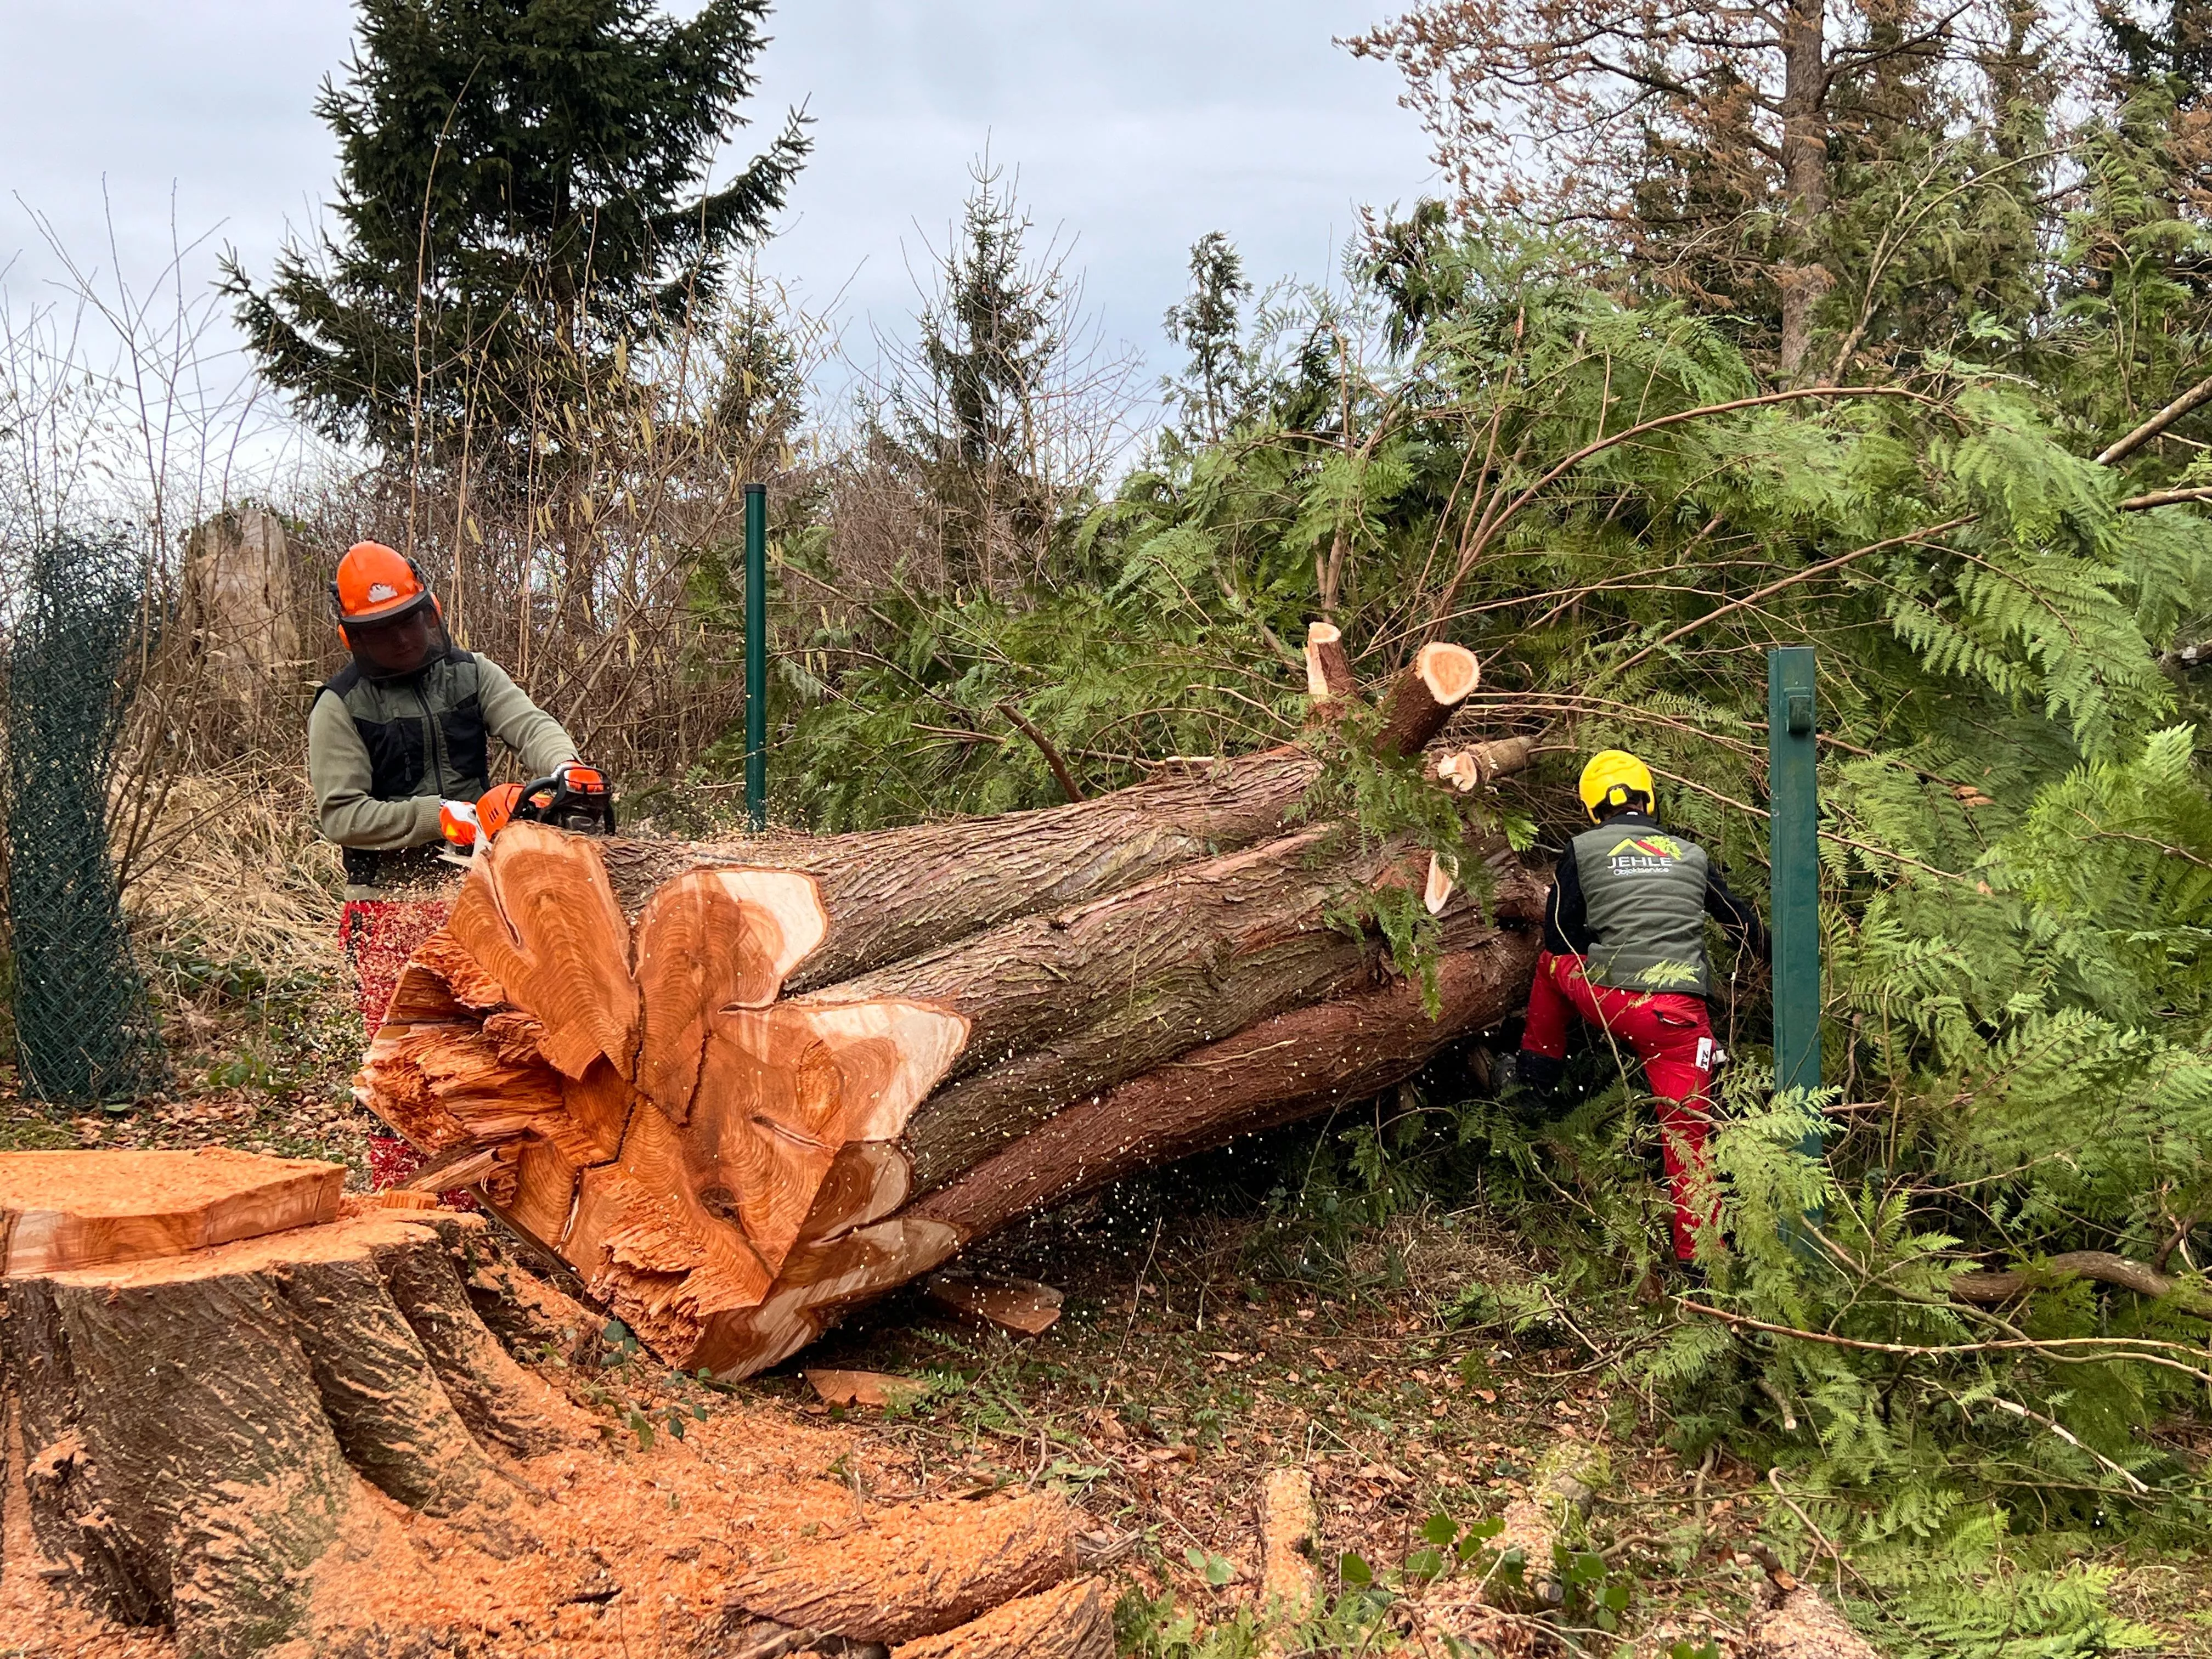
column 403, row 726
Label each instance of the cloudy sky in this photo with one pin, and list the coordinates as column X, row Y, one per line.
column 1135, row 125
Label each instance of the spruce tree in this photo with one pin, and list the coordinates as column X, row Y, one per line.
column 973, row 408
column 1207, row 324
column 522, row 193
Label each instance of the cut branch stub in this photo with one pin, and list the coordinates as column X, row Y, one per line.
column 1330, row 687
column 1438, row 891
column 1421, row 704
column 1470, row 769
column 522, row 1031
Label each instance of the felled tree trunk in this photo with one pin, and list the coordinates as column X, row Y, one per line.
column 891, row 893
column 637, row 1051
column 195, row 1435
column 1283, row 1068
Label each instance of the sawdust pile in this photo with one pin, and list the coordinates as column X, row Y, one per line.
column 618, row 1546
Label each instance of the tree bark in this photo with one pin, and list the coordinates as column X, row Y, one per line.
column 895, row 893
column 1289, row 1067
column 1060, row 1006
column 1074, row 1621
column 1992, row 1289
column 1804, row 280
column 196, row 1437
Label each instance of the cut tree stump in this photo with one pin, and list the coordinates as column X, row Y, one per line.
column 60, row 1210
column 739, row 1087
column 199, row 1439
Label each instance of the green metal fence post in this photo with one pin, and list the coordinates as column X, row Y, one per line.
column 757, row 657
column 1793, row 795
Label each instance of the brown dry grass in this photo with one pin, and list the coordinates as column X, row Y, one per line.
column 234, row 871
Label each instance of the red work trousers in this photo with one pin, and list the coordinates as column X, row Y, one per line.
column 378, row 936
column 1673, row 1036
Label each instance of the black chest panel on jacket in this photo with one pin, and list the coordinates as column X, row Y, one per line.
column 430, row 723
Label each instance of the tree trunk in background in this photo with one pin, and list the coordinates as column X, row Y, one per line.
column 1804, row 280
column 239, row 611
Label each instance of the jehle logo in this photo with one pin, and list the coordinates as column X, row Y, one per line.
column 1649, row 847
column 380, row 592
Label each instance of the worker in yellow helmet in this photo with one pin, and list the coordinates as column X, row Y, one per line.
column 1625, row 950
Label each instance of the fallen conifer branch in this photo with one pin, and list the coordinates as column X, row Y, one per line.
column 1987, row 1289
column 1061, row 776
column 2142, row 1348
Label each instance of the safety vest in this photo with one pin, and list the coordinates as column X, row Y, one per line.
column 425, row 735
column 1643, row 895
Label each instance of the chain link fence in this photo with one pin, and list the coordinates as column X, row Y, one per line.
column 84, row 1027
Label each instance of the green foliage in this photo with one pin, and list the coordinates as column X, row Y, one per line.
column 521, row 194
column 1218, row 387
column 2012, row 1614
column 1592, row 486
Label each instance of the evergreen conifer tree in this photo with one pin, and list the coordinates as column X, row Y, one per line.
column 521, row 191
column 1207, row 325
column 973, row 408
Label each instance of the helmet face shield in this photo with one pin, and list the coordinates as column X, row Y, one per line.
column 394, row 647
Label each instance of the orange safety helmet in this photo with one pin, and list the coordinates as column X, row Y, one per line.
column 378, row 584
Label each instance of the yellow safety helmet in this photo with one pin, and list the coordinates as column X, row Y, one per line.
column 1611, row 778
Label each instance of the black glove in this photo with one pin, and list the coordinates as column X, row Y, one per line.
column 1525, row 1083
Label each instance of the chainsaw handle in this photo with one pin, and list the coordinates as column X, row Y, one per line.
column 572, row 792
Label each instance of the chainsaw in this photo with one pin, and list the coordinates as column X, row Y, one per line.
column 576, row 797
